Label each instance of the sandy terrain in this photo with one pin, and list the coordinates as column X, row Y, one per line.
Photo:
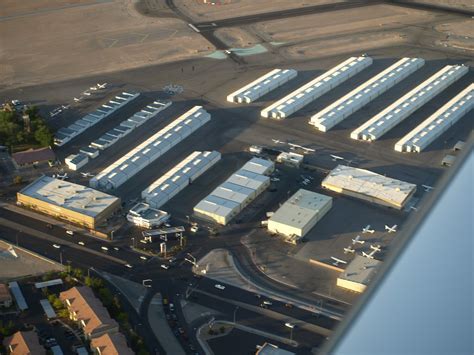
column 236, row 37
column 457, row 4
column 71, row 39
column 199, row 11
column 344, row 22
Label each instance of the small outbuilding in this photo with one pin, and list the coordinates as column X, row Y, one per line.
column 358, row 273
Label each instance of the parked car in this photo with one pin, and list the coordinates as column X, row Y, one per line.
column 219, row 286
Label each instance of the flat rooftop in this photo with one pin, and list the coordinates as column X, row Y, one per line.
column 68, row 195
column 368, row 183
column 360, row 270
column 300, row 208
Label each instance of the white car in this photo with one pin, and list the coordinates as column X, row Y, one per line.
column 219, row 286
column 104, row 248
column 143, row 258
column 166, row 267
column 57, row 246
column 194, row 229
column 128, row 265
column 268, row 303
column 81, row 243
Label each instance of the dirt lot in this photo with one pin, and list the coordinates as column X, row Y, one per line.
column 44, row 41
column 199, row 11
column 236, row 37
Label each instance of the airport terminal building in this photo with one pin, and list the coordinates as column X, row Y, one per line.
column 68, row 201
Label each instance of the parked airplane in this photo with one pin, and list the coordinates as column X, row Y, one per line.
column 427, row 188
column 375, row 248
column 308, row 150
column 87, row 93
column 337, row 261
column 357, row 240
column 370, row 255
column 62, row 177
column 277, row 141
column 336, row 157
column 102, row 86
column 65, row 107
column 87, row 174
column 367, row 229
column 349, row 250
column 391, row 229
column 77, row 99
column 94, row 88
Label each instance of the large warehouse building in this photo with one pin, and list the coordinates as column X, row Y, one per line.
column 369, row 186
column 299, row 214
column 358, row 273
column 232, row 196
column 68, row 201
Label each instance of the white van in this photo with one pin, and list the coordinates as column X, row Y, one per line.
column 69, row 232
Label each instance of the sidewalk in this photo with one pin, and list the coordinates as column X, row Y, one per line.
column 160, row 327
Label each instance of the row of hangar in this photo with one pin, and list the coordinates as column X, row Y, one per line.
column 77, row 161
column 415, row 141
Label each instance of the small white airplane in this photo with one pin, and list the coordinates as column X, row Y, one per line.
column 367, row 229
column 357, row 240
column 308, row 150
column 87, row 93
column 94, row 88
column 295, row 145
column 427, row 188
column 87, row 174
column 62, row 177
column 101, row 86
column 375, row 248
column 336, row 157
column 337, row 261
column 77, row 99
column 370, row 255
column 277, row 141
column 391, row 229
column 65, row 107
column 349, row 250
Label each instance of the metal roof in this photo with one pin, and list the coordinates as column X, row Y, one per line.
column 50, row 313
column 233, row 192
column 92, row 118
column 365, row 93
column 316, row 87
column 259, row 166
column 368, row 183
column 217, row 206
column 248, row 179
column 300, row 208
column 68, row 195
column 262, row 85
column 160, row 142
column 16, row 291
column 395, row 113
column 440, row 121
column 54, row 282
column 360, row 270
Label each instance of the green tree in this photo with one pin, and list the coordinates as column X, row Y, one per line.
column 17, row 180
column 106, row 296
column 63, row 313
column 43, row 136
column 57, row 304
column 78, row 273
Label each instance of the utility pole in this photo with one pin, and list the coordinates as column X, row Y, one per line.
column 235, row 312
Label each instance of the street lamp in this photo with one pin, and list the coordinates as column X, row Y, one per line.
column 291, row 326
column 235, row 312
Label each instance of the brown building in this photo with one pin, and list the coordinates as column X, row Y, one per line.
column 111, row 344
column 68, row 201
column 24, row 343
column 5, row 296
column 33, row 156
column 88, row 311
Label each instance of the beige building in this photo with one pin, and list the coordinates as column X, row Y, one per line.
column 68, row 201
column 111, row 344
column 358, row 273
column 299, row 214
column 5, row 296
column 24, row 343
column 369, row 186
column 88, row 311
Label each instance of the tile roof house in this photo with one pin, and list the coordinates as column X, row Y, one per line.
column 88, row 311
column 24, row 343
column 111, row 344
